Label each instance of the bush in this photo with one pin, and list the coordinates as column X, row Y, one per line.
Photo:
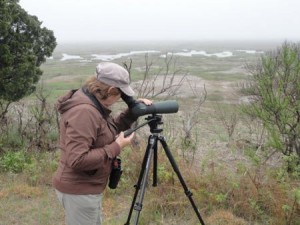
column 14, row 161
column 275, row 87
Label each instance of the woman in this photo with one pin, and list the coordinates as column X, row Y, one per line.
column 90, row 139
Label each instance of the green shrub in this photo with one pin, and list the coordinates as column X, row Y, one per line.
column 14, row 161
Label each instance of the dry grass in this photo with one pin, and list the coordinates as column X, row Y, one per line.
column 27, row 205
column 21, row 191
column 221, row 217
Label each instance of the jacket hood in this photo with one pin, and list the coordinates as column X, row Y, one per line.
column 72, row 99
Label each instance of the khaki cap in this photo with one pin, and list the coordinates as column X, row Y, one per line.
column 114, row 75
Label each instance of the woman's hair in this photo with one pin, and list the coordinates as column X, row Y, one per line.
column 96, row 87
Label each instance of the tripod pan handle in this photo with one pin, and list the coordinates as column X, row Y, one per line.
column 128, row 132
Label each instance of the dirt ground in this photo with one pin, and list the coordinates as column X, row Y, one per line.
column 189, row 86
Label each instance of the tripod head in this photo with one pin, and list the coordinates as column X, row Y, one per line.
column 152, row 120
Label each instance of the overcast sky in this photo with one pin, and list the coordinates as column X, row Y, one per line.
column 84, row 20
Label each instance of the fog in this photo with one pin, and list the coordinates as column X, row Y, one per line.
column 137, row 20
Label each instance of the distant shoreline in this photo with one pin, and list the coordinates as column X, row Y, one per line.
column 171, row 44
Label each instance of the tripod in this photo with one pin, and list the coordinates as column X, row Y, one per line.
column 151, row 153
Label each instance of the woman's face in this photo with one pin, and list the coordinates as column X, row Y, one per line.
column 111, row 100
column 112, row 97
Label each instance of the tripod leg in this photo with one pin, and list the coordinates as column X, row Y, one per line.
column 142, row 181
column 154, row 184
column 176, row 170
column 138, row 185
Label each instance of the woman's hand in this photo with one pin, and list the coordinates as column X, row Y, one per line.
column 145, row 101
column 124, row 141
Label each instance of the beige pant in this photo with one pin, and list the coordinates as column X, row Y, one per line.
column 81, row 209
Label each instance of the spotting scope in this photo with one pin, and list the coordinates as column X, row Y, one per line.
column 140, row 109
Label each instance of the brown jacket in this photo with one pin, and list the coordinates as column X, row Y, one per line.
column 87, row 142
